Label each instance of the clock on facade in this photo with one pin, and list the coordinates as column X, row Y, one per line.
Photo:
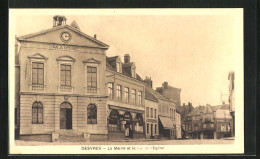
column 65, row 36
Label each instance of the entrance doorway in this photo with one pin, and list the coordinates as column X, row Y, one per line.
column 128, row 125
column 152, row 136
column 66, row 116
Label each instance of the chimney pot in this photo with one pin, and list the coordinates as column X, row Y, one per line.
column 165, row 85
column 95, row 36
column 148, row 81
column 127, row 58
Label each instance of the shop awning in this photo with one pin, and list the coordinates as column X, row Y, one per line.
column 166, row 122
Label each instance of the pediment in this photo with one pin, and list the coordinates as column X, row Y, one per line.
column 92, row 60
column 56, row 35
column 66, row 58
column 38, row 56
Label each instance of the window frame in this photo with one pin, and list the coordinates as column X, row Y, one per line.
column 151, row 114
column 37, row 58
column 140, row 97
column 110, row 90
column 147, row 112
column 133, row 96
column 92, row 120
column 96, row 78
column 65, row 62
column 155, row 128
column 37, row 112
column 70, row 76
column 37, row 78
column 147, row 128
column 126, row 94
column 119, row 92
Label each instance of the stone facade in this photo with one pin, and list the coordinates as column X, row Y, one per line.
column 48, row 49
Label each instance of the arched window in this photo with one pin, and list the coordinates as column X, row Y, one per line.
column 139, row 119
column 92, row 114
column 114, row 117
column 114, row 121
column 37, row 113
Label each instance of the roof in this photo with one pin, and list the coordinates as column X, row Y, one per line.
column 25, row 37
column 125, row 72
column 158, row 95
column 220, row 107
column 149, row 95
column 199, row 109
column 207, row 109
column 113, row 58
column 166, row 122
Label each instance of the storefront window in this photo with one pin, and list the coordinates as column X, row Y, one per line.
column 139, row 123
column 114, row 120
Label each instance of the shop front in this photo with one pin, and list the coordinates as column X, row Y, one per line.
column 124, row 123
column 166, row 128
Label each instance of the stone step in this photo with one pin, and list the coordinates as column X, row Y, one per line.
column 70, row 133
column 71, row 139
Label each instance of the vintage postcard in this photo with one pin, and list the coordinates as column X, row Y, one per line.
column 126, row 81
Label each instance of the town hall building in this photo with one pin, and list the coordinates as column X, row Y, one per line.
column 66, row 87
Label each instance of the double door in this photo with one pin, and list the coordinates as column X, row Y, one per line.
column 65, row 118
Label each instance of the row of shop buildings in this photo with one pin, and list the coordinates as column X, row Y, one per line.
column 208, row 122
column 68, row 89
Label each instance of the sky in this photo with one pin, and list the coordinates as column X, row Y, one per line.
column 192, row 52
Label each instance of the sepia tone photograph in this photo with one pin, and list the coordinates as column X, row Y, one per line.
column 121, row 81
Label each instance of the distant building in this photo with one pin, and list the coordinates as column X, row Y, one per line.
column 170, row 92
column 151, row 115
column 178, row 125
column 166, row 113
column 185, row 109
column 208, row 122
column 231, row 78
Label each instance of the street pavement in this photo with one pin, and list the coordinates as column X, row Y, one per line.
column 133, row 142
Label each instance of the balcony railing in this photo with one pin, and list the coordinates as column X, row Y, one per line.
column 65, row 89
column 37, row 87
column 91, row 90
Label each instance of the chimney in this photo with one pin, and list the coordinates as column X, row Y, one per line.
column 165, row 85
column 59, row 20
column 149, row 81
column 95, row 36
column 127, row 58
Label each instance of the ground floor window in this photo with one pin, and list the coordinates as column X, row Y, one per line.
column 37, row 113
column 147, row 129
column 155, row 128
column 113, row 123
column 92, row 114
